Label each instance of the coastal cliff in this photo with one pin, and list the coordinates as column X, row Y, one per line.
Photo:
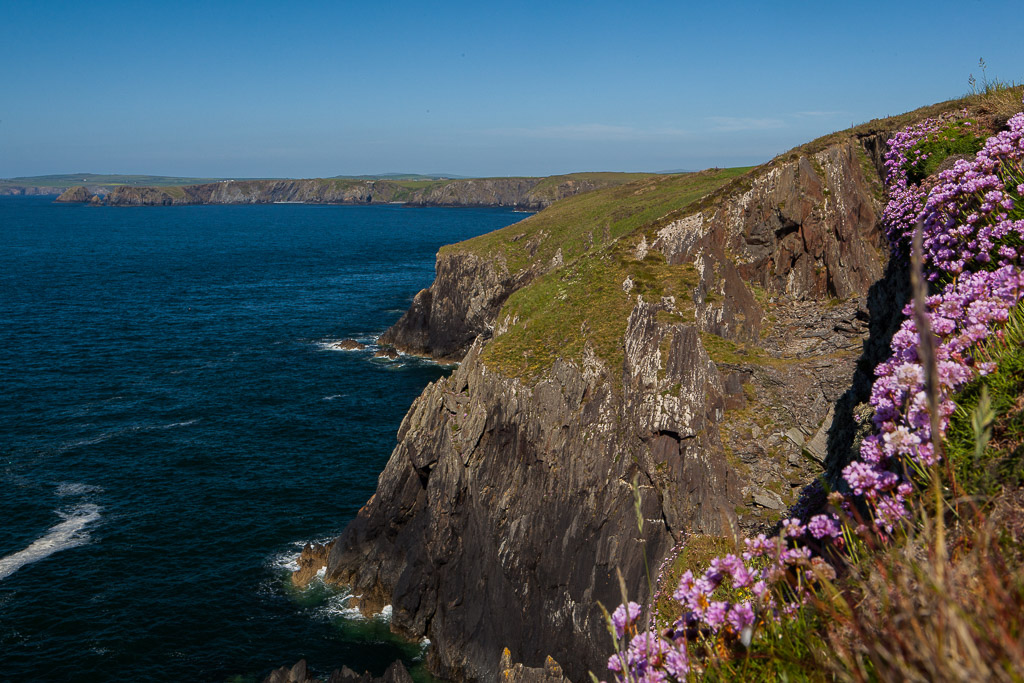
column 689, row 350
column 696, row 345
column 530, row 194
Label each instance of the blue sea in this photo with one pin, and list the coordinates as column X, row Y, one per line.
column 176, row 420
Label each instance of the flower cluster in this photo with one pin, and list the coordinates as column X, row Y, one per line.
column 966, row 312
column 907, row 199
column 647, row 658
column 728, row 601
column 973, row 218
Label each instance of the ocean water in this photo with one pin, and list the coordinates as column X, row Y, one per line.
column 175, row 423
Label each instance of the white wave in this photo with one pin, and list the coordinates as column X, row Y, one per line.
column 384, row 614
column 334, row 396
column 68, row 534
column 288, row 560
column 367, row 339
column 71, row 445
column 70, row 488
column 173, row 425
column 337, row 606
column 92, row 441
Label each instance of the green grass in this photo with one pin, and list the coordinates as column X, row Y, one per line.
column 585, row 221
column 957, row 137
column 547, row 188
column 1001, row 464
column 584, row 304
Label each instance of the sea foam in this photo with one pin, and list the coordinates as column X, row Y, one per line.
column 68, row 534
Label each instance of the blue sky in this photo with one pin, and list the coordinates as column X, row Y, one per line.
column 471, row 88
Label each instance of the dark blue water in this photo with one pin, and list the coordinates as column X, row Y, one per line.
column 174, row 424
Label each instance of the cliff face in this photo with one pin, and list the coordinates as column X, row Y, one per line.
column 463, row 302
column 712, row 348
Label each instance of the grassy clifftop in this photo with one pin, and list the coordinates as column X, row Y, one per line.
column 578, row 224
column 587, row 244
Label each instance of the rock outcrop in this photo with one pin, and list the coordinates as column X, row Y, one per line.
column 299, row 673
column 508, row 505
column 463, row 302
column 312, row 559
column 551, row 672
column 78, row 194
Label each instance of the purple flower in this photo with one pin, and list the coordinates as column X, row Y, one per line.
column 624, row 617
column 741, row 616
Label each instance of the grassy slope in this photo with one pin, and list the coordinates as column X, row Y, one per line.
column 584, row 303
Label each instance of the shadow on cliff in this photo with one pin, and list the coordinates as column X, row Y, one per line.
column 852, row 421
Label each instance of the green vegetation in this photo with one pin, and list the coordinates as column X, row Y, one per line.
column 724, row 350
column 548, row 187
column 585, row 303
column 1000, row 460
column 957, row 137
column 580, row 223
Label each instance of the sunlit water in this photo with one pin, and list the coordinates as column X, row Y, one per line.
column 175, row 422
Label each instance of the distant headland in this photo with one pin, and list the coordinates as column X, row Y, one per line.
column 527, row 193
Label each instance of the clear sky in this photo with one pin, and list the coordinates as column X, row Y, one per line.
column 303, row 89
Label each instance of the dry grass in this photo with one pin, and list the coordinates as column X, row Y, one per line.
column 911, row 615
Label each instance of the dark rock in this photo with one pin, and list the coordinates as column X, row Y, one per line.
column 388, row 352
column 296, row 674
column 515, row 192
column 351, row 345
column 462, row 303
column 396, row 673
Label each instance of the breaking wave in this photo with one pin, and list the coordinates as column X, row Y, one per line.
column 70, row 533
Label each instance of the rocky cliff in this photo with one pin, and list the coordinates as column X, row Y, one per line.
column 699, row 350
column 707, row 337
column 524, row 193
